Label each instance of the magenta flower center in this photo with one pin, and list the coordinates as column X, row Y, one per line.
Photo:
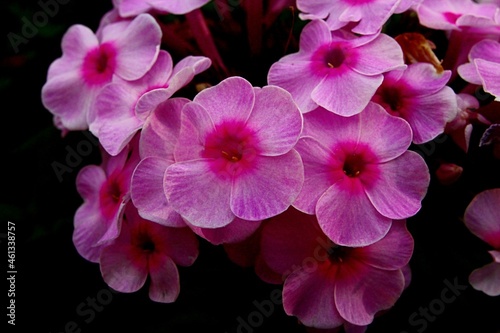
column 334, row 57
column 353, row 165
column 337, row 254
column 99, row 64
column 111, row 195
column 232, row 146
column 392, row 98
column 144, row 243
column 329, row 58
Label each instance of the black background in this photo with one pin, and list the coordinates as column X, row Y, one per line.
column 53, row 281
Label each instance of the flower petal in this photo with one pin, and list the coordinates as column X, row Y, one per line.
column 165, row 285
column 198, row 194
column 482, row 217
column 269, row 189
column 236, row 231
column 486, row 279
column 274, row 105
column 347, row 217
column 401, row 186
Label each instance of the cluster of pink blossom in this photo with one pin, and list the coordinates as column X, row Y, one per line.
column 310, row 179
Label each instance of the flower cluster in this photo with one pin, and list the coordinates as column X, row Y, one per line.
column 310, row 178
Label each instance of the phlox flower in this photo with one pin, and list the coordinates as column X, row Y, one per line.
column 336, row 70
column 122, row 106
column 483, row 66
column 234, row 156
column 147, row 249
column 358, row 174
column 327, row 285
column 158, row 139
column 455, row 14
column 128, row 8
column 419, row 95
column 482, row 218
column 368, row 16
column 105, row 190
column 125, row 49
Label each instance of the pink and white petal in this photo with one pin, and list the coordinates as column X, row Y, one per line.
column 269, row 188
column 401, row 186
column 495, row 255
column 160, row 73
column 89, row 226
column 487, row 279
column 197, row 63
column 488, row 71
column 177, row 7
column 65, row 96
column 298, row 79
column 75, row 45
column 310, row 296
column 89, row 181
column 314, row 35
column 115, row 123
column 317, row 173
column 196, row 124
column 397, row 133
column 423, row 79
column 362, row 290
column 150, row 100
column 123, row 269
column 391, row 252
column 469, row 73
column 236, row 231
column 201, row 196
column 331, row 92
column 137, row 47
column 486, row 49
column 165, row 285
column 381, row 55
column 274, row 105
column 288, row 239
column 348, row 218
column 114, row 224
column 161, row 130
column 429, row 114
column 232, row 99
column 148, row 194
column 130, row 8
column 482, row 217
column 318, row 8
column 374, row 17
column 331, row 129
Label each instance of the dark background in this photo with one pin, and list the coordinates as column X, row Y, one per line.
column 54, row 285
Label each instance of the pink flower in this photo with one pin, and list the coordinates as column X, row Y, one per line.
column 359, row 175
column 455, row 14
column 105, row 190
column 368, row 16
column 483, row 66
column 327, row 285
column 122, row 106
column 125, row 50
column 235, row 156
column 482, row 217
column 336, row 70
column 420, row 96
column 129, row 8
column 147, row 249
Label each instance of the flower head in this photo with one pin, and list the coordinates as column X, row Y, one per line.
column 420, row 96
column 327, row 285
column 124, row 49
column 336, row 70
column 105, row 190
column 145, row 249
column 230, row 161
column 359, row 175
